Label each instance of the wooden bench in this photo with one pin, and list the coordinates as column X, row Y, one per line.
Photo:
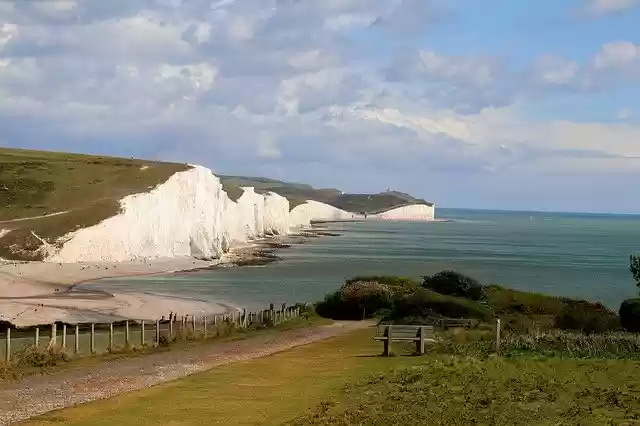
column 405, row 333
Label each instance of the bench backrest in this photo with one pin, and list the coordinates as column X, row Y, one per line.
column 406, row 331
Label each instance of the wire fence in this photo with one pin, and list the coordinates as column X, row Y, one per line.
column 97, row 338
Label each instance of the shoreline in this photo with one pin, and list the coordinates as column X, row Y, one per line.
column 37, row 293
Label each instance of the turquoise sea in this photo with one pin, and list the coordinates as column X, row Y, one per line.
column 577, row 255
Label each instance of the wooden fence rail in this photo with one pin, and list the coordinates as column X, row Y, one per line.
column 94, row 338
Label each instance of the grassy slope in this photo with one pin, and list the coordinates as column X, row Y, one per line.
column 298, row 193
column 36, row 183
column 342, row 381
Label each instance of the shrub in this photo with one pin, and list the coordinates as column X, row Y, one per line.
column 454, row 284
column 397, row 285
column 573, row 344
column 587, row 317
column 630, row 315
column 36, row 357
column 508, row 301
column 356, row 300
column 427, row 303
column 634, row 267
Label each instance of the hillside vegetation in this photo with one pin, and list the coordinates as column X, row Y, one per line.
column 298, row 193
column 50, row 194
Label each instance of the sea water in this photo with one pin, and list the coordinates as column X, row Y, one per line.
column 576, row 255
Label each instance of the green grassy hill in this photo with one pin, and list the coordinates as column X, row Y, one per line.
column 298, row 193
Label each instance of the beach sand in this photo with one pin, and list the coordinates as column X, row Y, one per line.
column 39, row 292
column 34, row 293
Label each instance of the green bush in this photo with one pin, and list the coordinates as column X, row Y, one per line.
column 630, row 315
column 398, row 285
column 356, row 300
column 507, row 301
column 587, row 317
column 37, row 357
column 454, row 284
column 427, row 303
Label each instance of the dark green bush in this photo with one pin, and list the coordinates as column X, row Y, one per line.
column 630, row 315
column 587, row 317
column 454, row 284
column 398, row 285
column 427, row 303
column 356, row 300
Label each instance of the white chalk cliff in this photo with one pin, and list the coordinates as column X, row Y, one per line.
column 420, row 212
column 191, row 215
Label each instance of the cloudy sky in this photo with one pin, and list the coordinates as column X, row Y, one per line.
column 508, row 104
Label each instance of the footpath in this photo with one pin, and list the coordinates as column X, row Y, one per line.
column 35, row 395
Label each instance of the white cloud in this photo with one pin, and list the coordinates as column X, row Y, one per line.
column 599, row 8
column 556, row 70
column 268, row 146
column 624, row 114
column 620, row 55
column 7, row 32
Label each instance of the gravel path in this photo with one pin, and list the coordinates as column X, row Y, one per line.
column 36, row 395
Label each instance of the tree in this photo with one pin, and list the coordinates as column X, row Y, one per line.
column 634, row 267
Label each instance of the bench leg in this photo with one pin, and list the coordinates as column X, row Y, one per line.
column 421, row 347
column 387, row 347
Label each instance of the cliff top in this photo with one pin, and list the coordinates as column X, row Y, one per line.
column 298, row 193
column 52, row 193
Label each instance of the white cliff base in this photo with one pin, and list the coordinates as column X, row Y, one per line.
column 417, row 212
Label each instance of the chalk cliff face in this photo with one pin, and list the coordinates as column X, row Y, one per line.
column 420, row 212
column 191, row 215
column 304, row 214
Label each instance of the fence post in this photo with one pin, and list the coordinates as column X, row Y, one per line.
column 193, row 323
column 387, row 343
column 158, row 332
column 93, row 339
column 64, row 336
column 110, row 337
column 170, row 328
column 126, row 333
column 498, row 336
column 215, row 321
column 77, row 340
column 37, row 341
column 54, row 335
column 8, row 345
column 141, row 333
column 204, row 326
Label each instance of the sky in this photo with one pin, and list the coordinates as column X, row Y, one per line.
column 495, row 104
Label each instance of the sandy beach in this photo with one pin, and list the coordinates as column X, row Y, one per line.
column 40, row 292
column 33, row 293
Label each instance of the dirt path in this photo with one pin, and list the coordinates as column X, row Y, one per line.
column 24, row 219
column 39, row 394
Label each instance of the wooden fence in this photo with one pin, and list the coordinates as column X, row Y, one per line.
column 96, row 338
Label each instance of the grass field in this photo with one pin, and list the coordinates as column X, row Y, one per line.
column 343, row 381
column 88, row 188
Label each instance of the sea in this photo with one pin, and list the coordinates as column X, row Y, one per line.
column 566, row 254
